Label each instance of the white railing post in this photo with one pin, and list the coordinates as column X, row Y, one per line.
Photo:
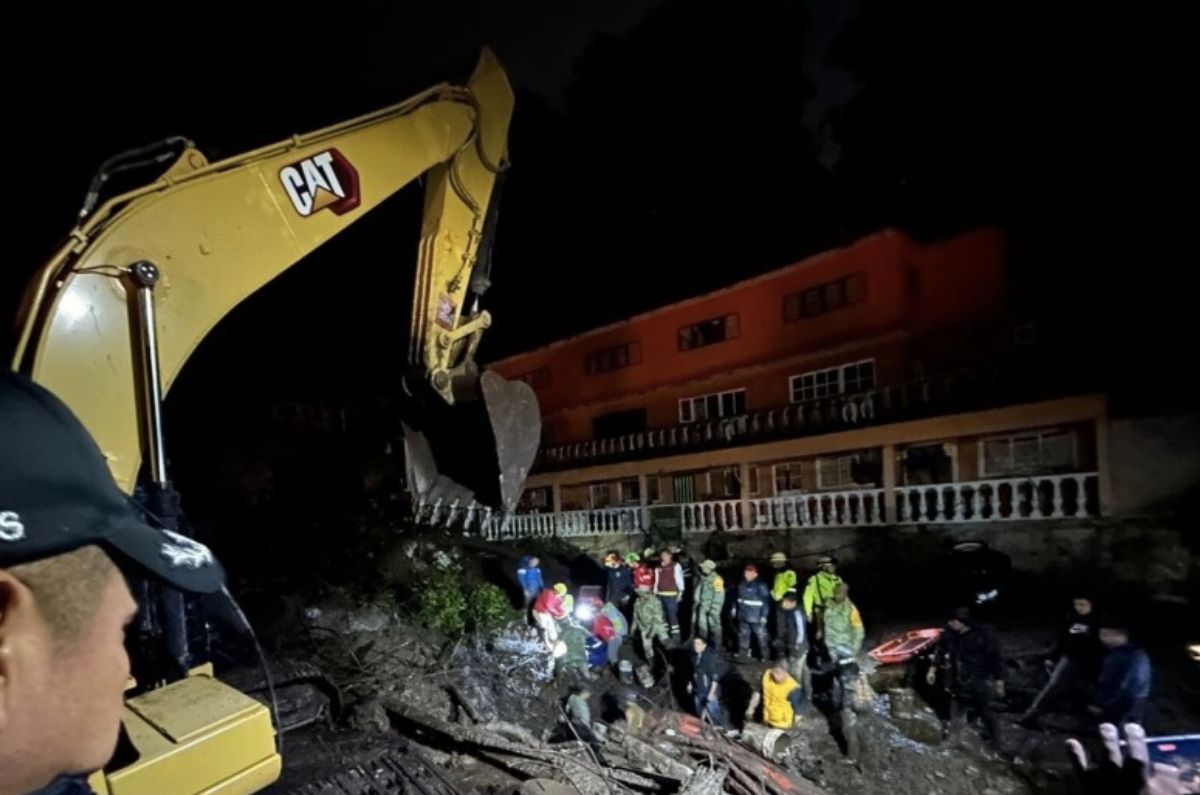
column 1056, row 484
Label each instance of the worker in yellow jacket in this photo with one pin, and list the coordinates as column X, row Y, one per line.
column 818, row 594
column 781, row 697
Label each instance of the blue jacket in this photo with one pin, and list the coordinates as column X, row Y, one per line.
column 619, row 584
column 753, row 599
column 529, row 576
column 1124, row 677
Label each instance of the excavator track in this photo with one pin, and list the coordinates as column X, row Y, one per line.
column 396, row 772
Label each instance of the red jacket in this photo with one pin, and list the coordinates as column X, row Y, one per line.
column 549, row 602
column 643, row 575
column 602, row 628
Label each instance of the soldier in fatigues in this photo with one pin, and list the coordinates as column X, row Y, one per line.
column 710, row 598
column 649, row 622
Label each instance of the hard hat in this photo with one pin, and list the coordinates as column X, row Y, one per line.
column 611, row 559
column 708, row 566
column 648, row 552
column 674, row 549
column 778, row 557
column 560, row 588
column 632, row 558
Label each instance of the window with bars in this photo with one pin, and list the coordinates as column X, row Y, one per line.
column 823, row 298
column 616, row 357
column 713, row 406
column 708, row 332
column 846, row 379
column 1028, row 453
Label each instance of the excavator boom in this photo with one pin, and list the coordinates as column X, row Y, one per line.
column 207, row 235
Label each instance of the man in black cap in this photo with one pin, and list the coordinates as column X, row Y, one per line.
column 969, row 656
column 68, row 535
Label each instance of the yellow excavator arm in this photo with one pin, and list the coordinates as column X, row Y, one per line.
column 204, row 236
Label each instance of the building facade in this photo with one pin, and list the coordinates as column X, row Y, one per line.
column 878, row 384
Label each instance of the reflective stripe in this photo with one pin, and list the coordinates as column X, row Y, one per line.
column 668, row 593
column 755, row 602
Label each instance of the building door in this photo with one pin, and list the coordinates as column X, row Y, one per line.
column 685, row 488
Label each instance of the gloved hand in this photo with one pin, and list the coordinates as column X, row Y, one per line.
column 749, row 716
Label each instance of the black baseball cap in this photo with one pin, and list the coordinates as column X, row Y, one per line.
column 57, row 494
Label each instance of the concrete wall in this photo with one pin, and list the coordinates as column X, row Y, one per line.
column 1154, row 463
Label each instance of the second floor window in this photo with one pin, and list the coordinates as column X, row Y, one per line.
column 708, row 332
column 606, row 360
column 825, row 298
column 846, row 379
column 539, row 379
column 713, row 406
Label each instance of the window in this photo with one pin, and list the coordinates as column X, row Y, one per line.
column 630, row 493
column 606, row 360
column 708, row 332
column 713, row 406
column 836, row 473
column 619, row 423
column 539, row 379
column 1022, row 454
column 724, row 483
column 602, row 495
column 753, row 485
column 652, row 492
column 848, row 379
column 787, row 477
column 825, row 298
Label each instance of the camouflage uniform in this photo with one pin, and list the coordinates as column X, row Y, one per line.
column 710, row 598
column 576, row 658
column 649, row 621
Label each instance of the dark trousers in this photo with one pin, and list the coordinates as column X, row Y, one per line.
column 759, row 628
column 1069, row 679
column 671, row 608
column 963, row 705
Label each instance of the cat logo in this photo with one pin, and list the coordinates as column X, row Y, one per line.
column 325, row 180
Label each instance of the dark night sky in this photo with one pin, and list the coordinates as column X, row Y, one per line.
column 661, row 148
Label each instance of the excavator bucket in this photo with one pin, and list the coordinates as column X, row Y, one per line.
column 470, row 459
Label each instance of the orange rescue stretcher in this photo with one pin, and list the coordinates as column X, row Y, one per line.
column 905, row 647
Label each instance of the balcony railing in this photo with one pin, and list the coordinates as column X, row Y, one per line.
column 952, row 393
column 1069, row 496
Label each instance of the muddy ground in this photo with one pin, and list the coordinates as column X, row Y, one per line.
column 374, row 653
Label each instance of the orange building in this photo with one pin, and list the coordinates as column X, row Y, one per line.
column 868, row 384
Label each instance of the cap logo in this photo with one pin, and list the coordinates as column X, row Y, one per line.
column 11, row 528
column 183, row 552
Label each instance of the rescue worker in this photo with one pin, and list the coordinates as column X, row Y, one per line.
column 819, row 592
column 618, row 582
column 1125, row 678
column 785, row 577
column 68, row 537
column 610, row 626
column 568, row 601
column 548, row 610
column 576, row 659
column 969, row 657
column 843, row 626
column 668, row 587
column 831, row 695
column 792, row 637
column 705, row 686
column 781, row 696
column 642, row 573
column 710, row 599
column 751, row 612
column 648, row 620
column 1075, row 660
column 529, row 575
